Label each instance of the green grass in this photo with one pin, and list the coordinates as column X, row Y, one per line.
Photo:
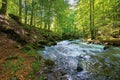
column 36, row 66
column 14, row 67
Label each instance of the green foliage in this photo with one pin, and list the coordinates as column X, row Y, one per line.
column 13, row 7
column 41, row 78
column 56, row 15
column 36, row 66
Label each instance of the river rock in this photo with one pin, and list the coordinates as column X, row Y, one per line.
column 76, row 60
column 79, row 69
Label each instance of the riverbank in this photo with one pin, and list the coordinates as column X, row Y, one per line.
column 18, row 57
column 20, row 62
column 18, row 45
column 107, row 42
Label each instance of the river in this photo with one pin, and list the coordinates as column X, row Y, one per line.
column 77, row 60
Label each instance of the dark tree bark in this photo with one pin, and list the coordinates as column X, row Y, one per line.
column 49, row 15
column 26, row 11
column 92, row 30
column 41, row 14
column 20, row 9
column 3, row 9
column 32, row 13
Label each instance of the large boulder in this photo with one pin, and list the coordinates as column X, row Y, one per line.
column 115, row 34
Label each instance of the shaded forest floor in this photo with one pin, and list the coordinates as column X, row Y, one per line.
column 18, row 57
column 18, row 42
column 21, row 63
column 12, row 61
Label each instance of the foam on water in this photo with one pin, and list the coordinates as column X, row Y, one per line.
column 68, row 55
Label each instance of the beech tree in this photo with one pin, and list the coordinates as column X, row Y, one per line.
column 86, row 19
column 26, row 12
column 3, row 9
column 20, row 9
column 92, row 19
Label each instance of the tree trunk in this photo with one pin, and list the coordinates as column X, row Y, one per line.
column 26, row 12
column 20, row 10
column 3, row 9
column 41, row 14
column 103, row 12
column 49, row 15
column 92, row 19
column 32, row 13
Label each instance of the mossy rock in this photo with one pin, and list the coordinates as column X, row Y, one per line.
column 49, row 62
column 27, row 48
column 106, row 47
column 115, row 34
column 113, row 42
column 38, row 46
column 52, row 43
column 79, row 69
column 43, row 42
column 15, row 17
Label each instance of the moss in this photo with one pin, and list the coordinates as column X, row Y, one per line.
column 36, row 66
column 43, row 42
column 51, row 43
column 49, row 62
column 26, row 48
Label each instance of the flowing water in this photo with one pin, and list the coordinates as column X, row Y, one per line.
column 77, row 60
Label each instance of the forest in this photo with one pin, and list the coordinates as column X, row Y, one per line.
column 38, row 39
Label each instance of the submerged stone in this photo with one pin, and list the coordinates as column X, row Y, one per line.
column 79, row 69
column 106, row 47
column 49, row 62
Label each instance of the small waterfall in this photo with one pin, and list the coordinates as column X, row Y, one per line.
column 81, row 61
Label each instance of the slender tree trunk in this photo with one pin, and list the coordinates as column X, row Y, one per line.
column 26, row 11
column 32, row 13
column 94, row 33
column 44, row 17
column 41, row 14
column 45, row 24
column 83, row 29
column 103, row 12
column 92, row 19
column 49, row 15
column 3, row 9
column 118, row 17
column 20, row 10
column 34, row 19
column 115, row 15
